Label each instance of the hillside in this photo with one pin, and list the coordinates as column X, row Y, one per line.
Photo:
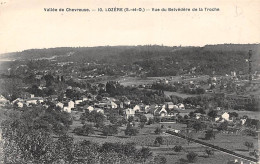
column 153, row 59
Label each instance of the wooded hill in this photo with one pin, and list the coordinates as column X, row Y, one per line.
column 156, row 60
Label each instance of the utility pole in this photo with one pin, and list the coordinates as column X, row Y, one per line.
column 250, row 65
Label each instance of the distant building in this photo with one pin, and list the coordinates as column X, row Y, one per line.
column 169, row 105
column 225, row 116
column 129, row 112
column 59, row 104
column 3, row 100
column 137, row 108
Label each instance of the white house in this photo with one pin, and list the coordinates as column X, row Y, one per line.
column 68, row 106
column 71, row 104
column 181, row 106
column 169, row 105
column 163, row 112
column 175, row 107
column 146, row 108
column 20, row 104
column 99, row 110
column 113, row 105
column 34, row 100
column 78, row 101
column 90, row 108
column 67, row 109
column 129, row 112
column 242, row 121
column 137, row 108
column 3, row 100
column 84, row 98
column 225, row 116
column 160, row 111
column 59, row 104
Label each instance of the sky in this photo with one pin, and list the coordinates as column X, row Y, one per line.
column 25, row 25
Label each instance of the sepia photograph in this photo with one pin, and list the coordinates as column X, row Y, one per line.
column 129, row 82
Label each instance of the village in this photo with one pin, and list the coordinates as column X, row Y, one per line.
column 190, row 116
column 117, row 116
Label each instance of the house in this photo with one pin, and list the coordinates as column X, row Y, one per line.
column 67, row 109
column 137, row 108
column 242, row 121
column 84, row 98
column 198, row 116
column 174, row 130
column 68, row 106
column 99, row 110
column 78, row 101
column 127, row 102
column 169, row 105
column 225, row 116
column 113, row 105
column 181, row 106
column 3, row 100
column 129, row 112
column 90, row 108
column 71, row 104
column 121, row 105
column 20, row 104
column 146, row 108
column 34, row 100
column 161, row 112
column 59, row 104
column 153, row 108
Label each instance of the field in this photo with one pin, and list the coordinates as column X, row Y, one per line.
column 147, row 136
column 250, row 114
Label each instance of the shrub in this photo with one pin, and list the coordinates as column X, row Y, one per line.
column 160, row 159
column 144, row 154
column 209, row 152
column 249, row 145
column 158, row 130
column 84, row 130
column 209, row 134
column 150, row 121
column 249, row 132
column 158, row 140
column 130, row 130
column 192, row 157
column 142, row 125
column 177, row 148
column 110, row 130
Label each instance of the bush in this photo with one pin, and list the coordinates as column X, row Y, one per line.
column 131, row 131
column 160, row 159
column 177, row 148
column 158, row 130
column 150, row 121
column 110, row 130
column 157, row 119
column 249, row 145
column 84, row 130
column 158, row 140
column 192, row 157
column 143, row 118
column 209, row 134
column 142, row 125
column 209, row 152
column 249, row 132
column 144, row 154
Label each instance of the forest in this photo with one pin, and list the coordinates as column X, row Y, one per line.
column 155, row 60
